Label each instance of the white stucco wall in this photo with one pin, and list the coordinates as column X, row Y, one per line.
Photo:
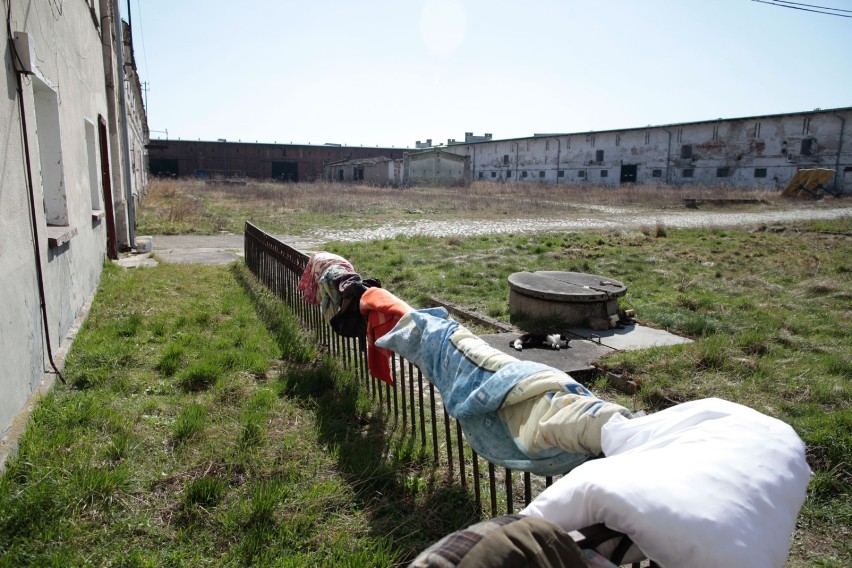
column 69, row 56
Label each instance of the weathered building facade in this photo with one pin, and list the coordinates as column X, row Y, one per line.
column 282, row 162
column 436, row 165
column 760, row 151
column 63, row 186
column 372, row 171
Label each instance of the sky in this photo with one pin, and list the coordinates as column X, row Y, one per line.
column 390, row 72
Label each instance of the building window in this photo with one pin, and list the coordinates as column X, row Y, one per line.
column 541, row 174
column 808, row 147
column 686, row 151
column 604, row 173
column 760, row 172
column 656, row 173
column 493, row 174
column 581, row 173
column 50, row 153
column 480, row 175
column 722, row 172
column 599, row 156
column 92, row 155
column 560, row 173
column 505, row 159
column 524, row 174
column 688, row 172
column 508, row 173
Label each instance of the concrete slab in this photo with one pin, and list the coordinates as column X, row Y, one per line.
column 584, row 349
column 577, row 358
column 199, row 255
column 633, row 337
column 144, row 260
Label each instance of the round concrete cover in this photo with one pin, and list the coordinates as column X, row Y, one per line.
column 566, row 286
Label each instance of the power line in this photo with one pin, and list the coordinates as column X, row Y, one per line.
column 812, row 6
column 775, row 3
column 142, row 34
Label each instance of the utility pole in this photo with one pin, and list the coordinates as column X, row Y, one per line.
column 145, row 89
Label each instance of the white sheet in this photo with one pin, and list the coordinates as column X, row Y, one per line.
column 707, row 483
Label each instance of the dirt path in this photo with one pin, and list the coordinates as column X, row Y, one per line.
column 219, row 249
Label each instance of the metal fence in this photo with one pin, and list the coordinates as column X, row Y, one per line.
column 412, row 403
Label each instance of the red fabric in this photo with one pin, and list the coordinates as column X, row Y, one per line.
column 383, row 311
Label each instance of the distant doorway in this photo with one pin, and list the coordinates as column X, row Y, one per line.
column 285, row 171
column 167, row 167
column 628, row 173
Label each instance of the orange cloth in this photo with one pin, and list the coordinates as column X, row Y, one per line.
column 383, row 311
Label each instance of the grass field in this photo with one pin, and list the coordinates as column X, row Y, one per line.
column 193, row 207
column 203, row 428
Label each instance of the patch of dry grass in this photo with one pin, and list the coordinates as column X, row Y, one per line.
column 197, row 207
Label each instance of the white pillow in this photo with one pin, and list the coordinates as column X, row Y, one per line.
column 707, row 483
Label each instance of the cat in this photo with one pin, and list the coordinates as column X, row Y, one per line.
column 552, row 340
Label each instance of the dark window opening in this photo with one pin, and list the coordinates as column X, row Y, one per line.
column 493, row 174
column 480, row 175
column 560, row 173
column 760, row 172
column 688, row 172
column 523, row 174
column 509, row 174
column 505, row 159
column 656, row 173
column 686, row 151
column 541, row 174
column 339, row 175
column 599, row 155
column 285, row 171
column 808, row 147
column 722, row 172
column 581, row 173
column 604, row 173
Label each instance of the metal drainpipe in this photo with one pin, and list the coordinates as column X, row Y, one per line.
column 839, row 148
column 558, row 156
column 473, row 170
column 668, row 154
column 125, row 154
column 31, row 191
column 516, row 161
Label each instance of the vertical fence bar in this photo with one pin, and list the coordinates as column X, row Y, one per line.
column 422, row 409
column 411, row 398
column 402, row 392
column 434, row 424
column 527, row 488
column 395, row 391
column 510, row 506
column 476, row 494
column 449, row 442
column 460, row 442
column 492, row 486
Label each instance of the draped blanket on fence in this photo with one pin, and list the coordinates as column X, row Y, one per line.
column 519, row 414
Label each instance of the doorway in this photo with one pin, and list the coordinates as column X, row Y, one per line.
column 628, row 173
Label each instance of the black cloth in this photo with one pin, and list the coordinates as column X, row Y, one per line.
column 348, row 321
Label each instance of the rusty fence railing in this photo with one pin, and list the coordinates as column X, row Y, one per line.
column 412, row 403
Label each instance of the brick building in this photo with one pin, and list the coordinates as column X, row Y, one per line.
column 285, row 162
